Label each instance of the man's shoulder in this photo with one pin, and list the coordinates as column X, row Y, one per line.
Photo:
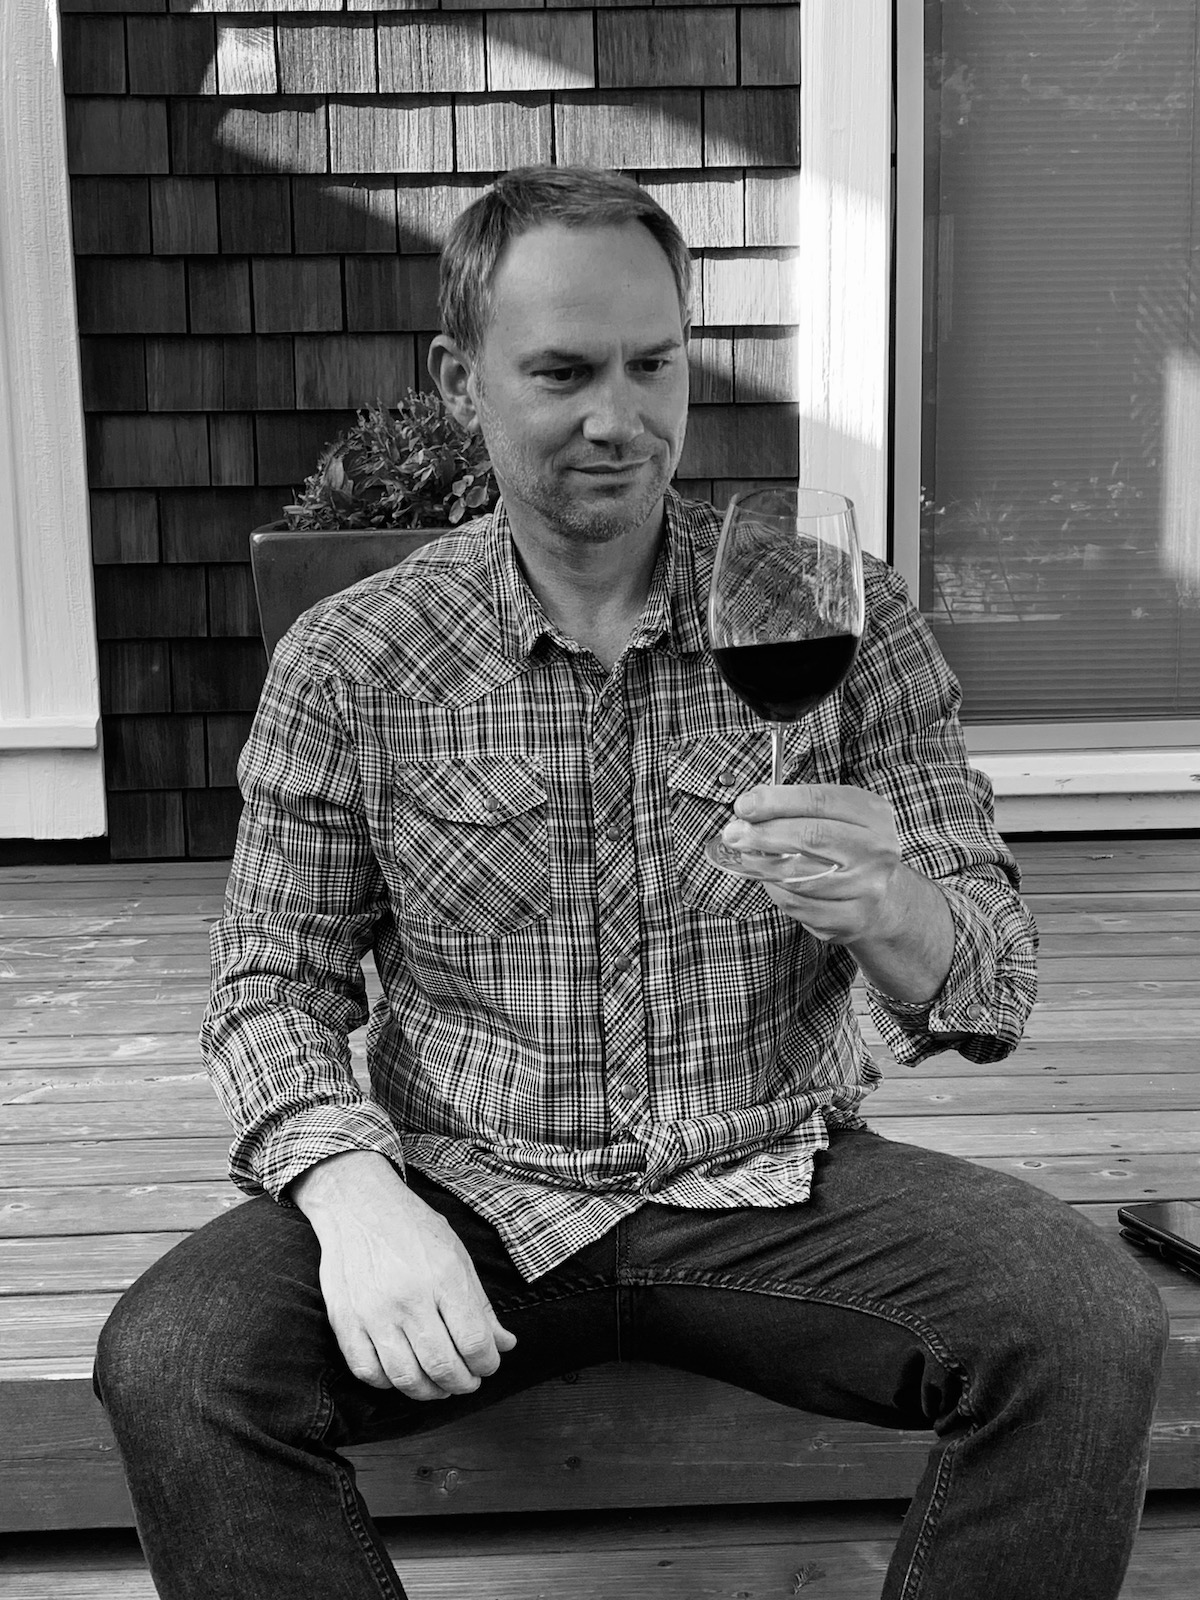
column 378, row 628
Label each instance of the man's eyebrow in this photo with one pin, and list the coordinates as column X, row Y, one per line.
column 577, row 358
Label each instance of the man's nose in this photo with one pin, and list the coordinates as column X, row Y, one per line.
column 613, row 416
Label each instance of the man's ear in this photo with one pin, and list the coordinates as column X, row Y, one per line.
column 451, row 370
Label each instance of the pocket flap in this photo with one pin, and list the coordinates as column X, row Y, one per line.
column 487, row 790
column 723, row 765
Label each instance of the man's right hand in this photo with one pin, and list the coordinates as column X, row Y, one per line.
column 402, row 1295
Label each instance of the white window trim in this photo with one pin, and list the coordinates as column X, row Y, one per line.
column 51, row 771
column 1053, row 777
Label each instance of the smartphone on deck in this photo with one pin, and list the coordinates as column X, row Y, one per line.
column 1172, row 1227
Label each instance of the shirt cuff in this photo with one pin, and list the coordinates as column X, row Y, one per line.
column 961, row 1004
column 279, row 1157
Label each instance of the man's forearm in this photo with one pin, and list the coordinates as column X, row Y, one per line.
column 908, row 955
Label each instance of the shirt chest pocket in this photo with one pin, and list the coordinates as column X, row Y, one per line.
column 704, row 778
column 472, row 844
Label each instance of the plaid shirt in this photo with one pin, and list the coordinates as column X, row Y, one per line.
column 578, row 1011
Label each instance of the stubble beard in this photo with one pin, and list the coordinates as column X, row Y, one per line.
column 552, row 500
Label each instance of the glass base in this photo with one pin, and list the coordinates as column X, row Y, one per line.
column 766, row 866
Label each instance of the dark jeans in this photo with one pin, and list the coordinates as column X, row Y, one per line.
column 913, row 1291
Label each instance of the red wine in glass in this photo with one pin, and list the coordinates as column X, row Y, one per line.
column 785, row 617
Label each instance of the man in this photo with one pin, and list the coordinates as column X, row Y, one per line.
column 615, row 1094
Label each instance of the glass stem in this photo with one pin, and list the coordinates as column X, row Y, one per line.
column 778, row 733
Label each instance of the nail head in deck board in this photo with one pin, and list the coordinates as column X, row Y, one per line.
column 742, row 442
column 666, row 49
column 219, row 296
column 710, row 363
column 232, row 611
column 492, row 135
column 229, row 137
column 157, row 752
column 113, row 136
column 766, row 366
column 327, row 58
column 352, row 370
column 344, row 215
column 708, row 207
column 215, row 524
column 217, row 674
column 227, row 737
column 630, row 130
column 110, row 216
column 297, row 295
column 751, row 127
column 211, row 818
column 231, row 448
column 391, row 294
column 246, row 59
column 171, row 55
column 183, row 216
column 124, row 526
column 770, row 44
column 141, row 825
column 773, row 208
column 531, row 50
column 377, row 136
column 289, row 444
column 256, row 215
column 425, row 211
column 134, row 676
column 146, row 452
column 749, row 290
column 113, row 373
column 435, row 54
column 130, row 295
column 93, row 55
column 143, row 602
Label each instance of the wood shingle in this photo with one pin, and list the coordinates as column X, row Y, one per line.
column 111, row 136
column 431, row 54
column 110, row 216
column 231, row 448
column 183, row 216
column 139, row 295
column 246, row 62
column 135, row 676
column 113, row 372
column 146, row 452
column 492, row 135
column 666, row 49
column 770, row 44
column 391, row 136
column 388, row 294
column 124, row 526
column 296, row 294
column 333, row 215
column 171, row 55
column 539, row 50
column 214, row 524
column 660, row 129
column 350, row 370
column 751, row 127
column 226, row 136
column 93, row 55
column 255, row 215
column 154, row 752
column 218, row 296
column 146, row 602
column 327, row 57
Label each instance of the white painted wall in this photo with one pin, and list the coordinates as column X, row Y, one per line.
column 51, row 775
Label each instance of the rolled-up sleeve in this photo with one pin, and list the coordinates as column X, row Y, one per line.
column 303, row 905
column 901, row 738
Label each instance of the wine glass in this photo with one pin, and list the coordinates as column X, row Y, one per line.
column 785, row 616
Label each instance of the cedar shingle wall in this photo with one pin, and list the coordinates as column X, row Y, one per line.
column 259, row 192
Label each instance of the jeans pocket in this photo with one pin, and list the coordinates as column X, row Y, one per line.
column 704, row 778
column 472, row 844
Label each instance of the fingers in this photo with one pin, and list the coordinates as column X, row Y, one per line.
column 831, row 802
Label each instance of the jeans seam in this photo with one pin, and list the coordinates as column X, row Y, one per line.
column 326, row 1410
column 915, row 1571
column 531, row 1299
column 782, row 1290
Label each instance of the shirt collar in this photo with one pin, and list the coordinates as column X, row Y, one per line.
column 673, row 617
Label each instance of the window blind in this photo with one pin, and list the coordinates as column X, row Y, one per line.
column 1060, row 543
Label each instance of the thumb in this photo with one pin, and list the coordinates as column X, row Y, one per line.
column 504, row 1339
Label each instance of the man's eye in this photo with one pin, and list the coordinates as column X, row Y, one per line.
column 653, row 365
column 559, row 375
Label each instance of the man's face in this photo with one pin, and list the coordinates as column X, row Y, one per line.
column 581, row 384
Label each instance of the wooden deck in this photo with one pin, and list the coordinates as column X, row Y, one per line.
column 114, row 1147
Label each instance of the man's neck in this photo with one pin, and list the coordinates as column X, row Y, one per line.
column 593, row 593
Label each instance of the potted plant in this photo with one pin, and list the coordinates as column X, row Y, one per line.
column 394, row 481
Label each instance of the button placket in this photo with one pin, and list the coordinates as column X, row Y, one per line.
column 622, row 1012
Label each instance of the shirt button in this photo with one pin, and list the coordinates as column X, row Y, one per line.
column 653, row 1185
column 491, row 805
column 727, row 776
column 614, row 833
column 977, row 1013
column 622, row 963
column 625, row 1091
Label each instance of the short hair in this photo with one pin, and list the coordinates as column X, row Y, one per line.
column 531, row 197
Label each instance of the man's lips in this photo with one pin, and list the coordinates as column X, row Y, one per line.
column 612, row 470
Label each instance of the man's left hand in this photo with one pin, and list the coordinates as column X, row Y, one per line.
column 852, row 827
